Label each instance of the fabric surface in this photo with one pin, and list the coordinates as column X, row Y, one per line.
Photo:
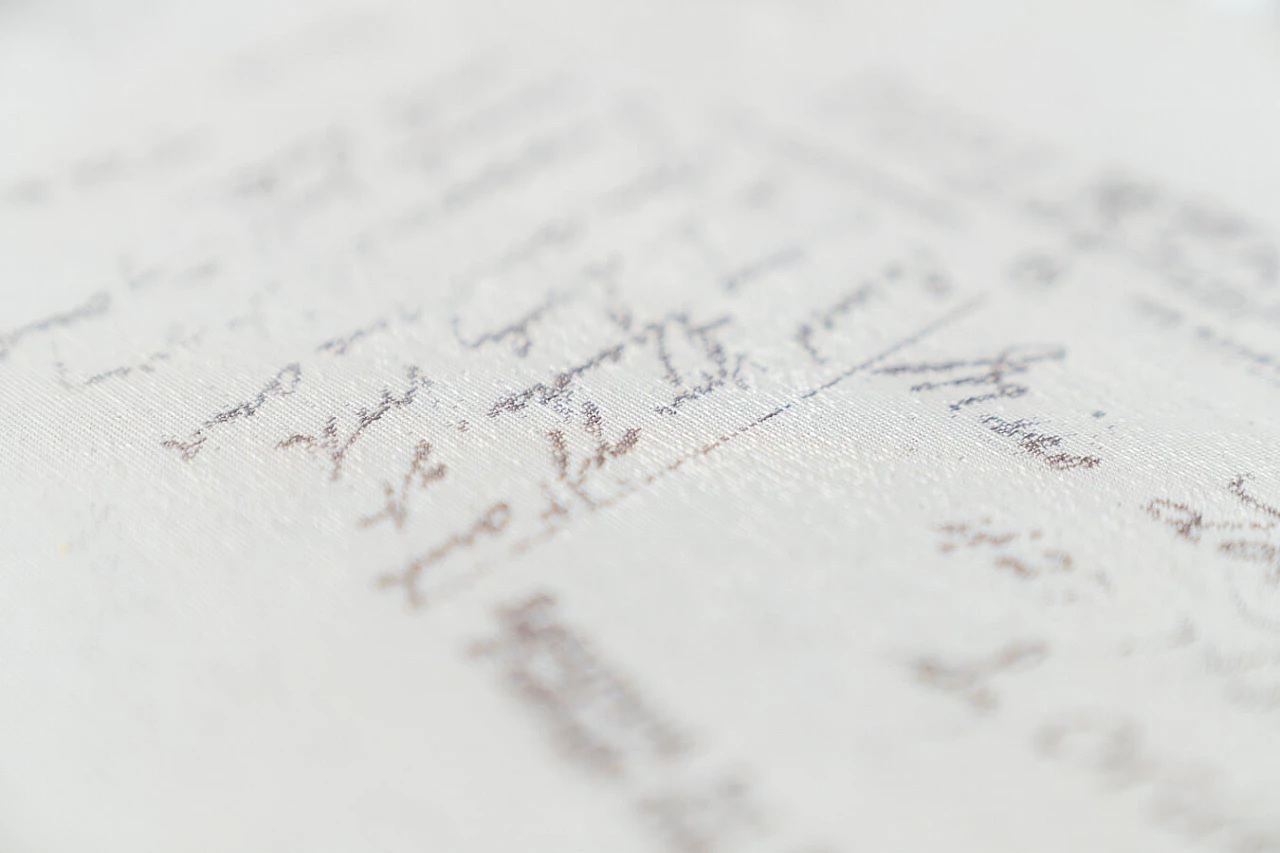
column 803, row 427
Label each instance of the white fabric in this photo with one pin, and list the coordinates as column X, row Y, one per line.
column 655, row 426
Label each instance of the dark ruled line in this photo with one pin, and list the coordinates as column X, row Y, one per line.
column 460, row 584
column 945, row 320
